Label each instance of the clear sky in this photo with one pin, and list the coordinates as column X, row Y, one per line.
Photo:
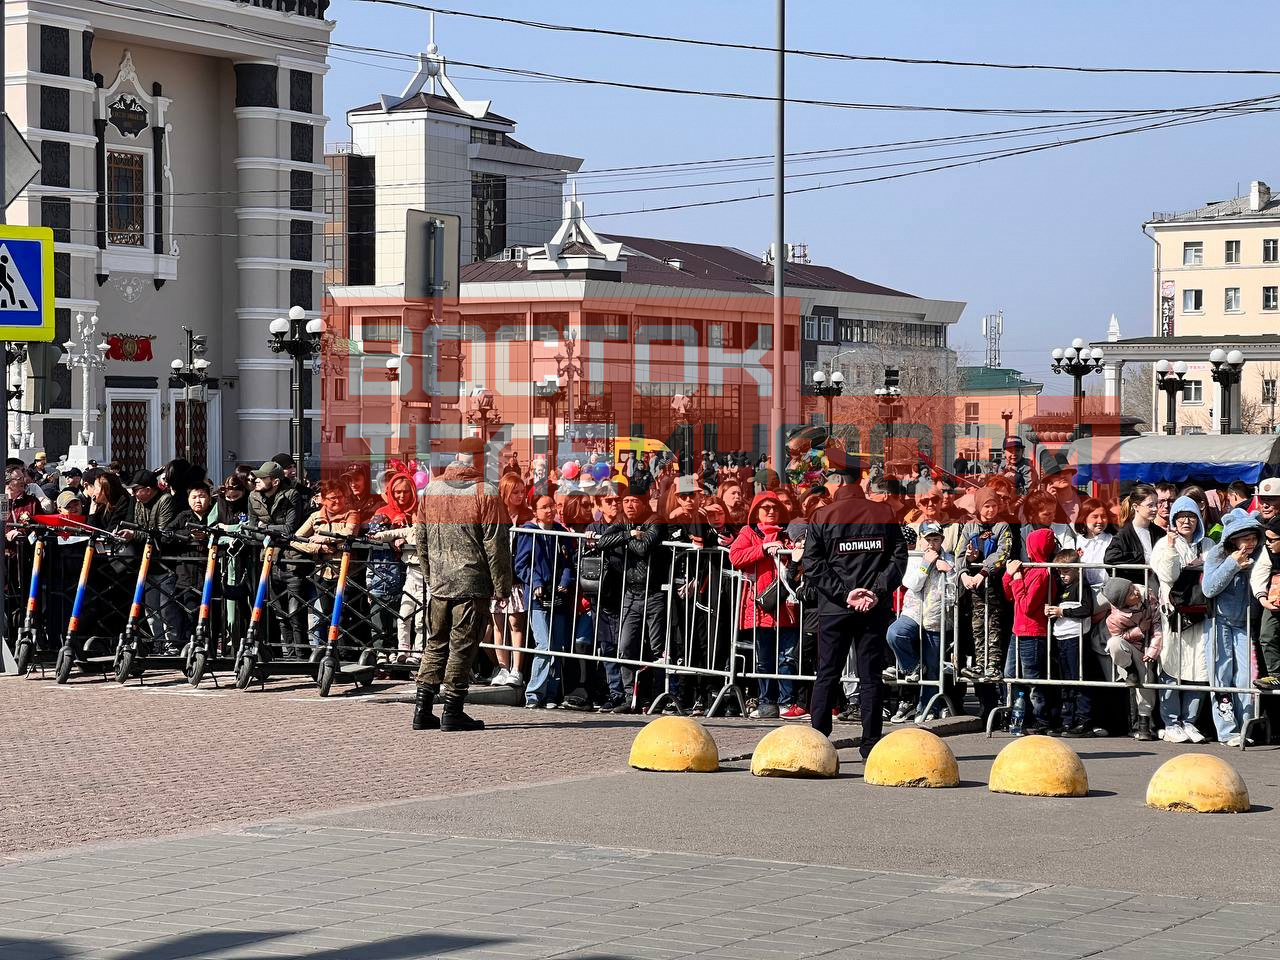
column 1052, row 238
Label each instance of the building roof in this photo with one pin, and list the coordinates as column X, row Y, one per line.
column 730, row 263
column 1235, row 208
column 1216, row 339
column 436, row 104
column 702, row 267
column 994, row 379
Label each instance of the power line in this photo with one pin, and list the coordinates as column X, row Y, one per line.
column 823, row 54
column 690, row 92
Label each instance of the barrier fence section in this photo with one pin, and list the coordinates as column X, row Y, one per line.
column 603, row 614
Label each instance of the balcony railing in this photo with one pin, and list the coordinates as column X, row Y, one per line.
column 302, row 8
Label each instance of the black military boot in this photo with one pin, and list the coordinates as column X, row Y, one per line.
column 453, row 720
column 1142, row 730
column 423, row 718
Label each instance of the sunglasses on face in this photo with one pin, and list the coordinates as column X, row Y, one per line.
column 928, row 501
column 685, row 496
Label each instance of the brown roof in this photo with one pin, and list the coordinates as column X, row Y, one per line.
column 713, row 261
column 703, row 267
column 432, row 102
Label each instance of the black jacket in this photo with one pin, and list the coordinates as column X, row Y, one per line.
column 1126, row 547
column 853, row 542
column 600, row 571
column 282, row 513
column 646, row 560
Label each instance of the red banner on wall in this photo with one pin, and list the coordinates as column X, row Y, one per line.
column 129, row 347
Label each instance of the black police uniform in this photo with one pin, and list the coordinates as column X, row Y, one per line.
column 853, row 543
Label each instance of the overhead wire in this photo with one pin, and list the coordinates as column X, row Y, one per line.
column 827, row 54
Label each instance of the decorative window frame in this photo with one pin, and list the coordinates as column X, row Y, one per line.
column 144, row 260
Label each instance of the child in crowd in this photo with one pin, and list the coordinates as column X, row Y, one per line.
column 1029, row 590
column 1265, row 583
column 1226, row 584
column 987, row 543
column 915, row 637
column 1070, row 615
column 1134, row 640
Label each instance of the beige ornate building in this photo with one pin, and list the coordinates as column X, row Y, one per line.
column 181, row 147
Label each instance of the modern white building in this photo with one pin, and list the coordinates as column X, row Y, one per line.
column 433, row 149
column 181, row 144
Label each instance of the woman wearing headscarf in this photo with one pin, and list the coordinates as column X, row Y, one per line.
column 390, row 525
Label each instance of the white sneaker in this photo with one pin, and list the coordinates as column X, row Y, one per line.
column 906, row 712
column 1174, row 733
column 1233, row 741
column 513, row 679
column 1193, row 734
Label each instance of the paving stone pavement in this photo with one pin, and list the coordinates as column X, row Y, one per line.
column 289, row 890
column 94, row 761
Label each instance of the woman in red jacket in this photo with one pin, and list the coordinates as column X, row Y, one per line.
column 757, row 551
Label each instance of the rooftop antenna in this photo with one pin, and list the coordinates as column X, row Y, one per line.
column 992, row 329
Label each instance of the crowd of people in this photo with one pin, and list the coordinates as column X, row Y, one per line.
column 1014, row 576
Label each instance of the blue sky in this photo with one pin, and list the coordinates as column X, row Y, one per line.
column 1052, row 238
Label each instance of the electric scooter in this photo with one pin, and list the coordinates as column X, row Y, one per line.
column 330, row 666
column 94, row 653
column 132, row 647
column 250, row 657
column 198, row 650
column 26, row 652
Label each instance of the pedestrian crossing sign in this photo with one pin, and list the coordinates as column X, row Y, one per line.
column 26, row 283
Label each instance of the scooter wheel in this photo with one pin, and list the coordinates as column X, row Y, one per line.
column 66, row 660
column 26, row 651
column 244, row 673
column 324, row 676
column 199, row 660
column 124, row 665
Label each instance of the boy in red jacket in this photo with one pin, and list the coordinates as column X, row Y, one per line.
column 1029, row 590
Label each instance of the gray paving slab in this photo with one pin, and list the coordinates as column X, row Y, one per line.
column 635, row 905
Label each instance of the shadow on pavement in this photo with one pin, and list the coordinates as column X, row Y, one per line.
column 213, row 942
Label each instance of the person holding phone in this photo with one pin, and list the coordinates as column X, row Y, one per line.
column 1227, row 569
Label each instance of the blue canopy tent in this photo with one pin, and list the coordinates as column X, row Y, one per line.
column 1206, row 459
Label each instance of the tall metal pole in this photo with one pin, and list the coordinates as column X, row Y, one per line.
column 4, row 371
column 295, row 388
column 186, row 401
column 777, row 412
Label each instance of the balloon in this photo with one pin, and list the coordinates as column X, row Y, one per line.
column 600, row 471
column 421, row 479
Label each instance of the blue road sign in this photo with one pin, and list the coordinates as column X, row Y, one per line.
column 26, row 283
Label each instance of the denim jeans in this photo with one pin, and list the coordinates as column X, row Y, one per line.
column 783, row 640
column 1031, row 654
column 1077, row 704
column 1180, row 706
column 549, row 633
column 910, row 644
column 1227, row 653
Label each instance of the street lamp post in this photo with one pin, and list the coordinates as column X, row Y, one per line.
column 482, row 413
column 301, row 341
column 550, row 391
column 1077, row 361
column 88, row 356
column 829, row 386
column 889, row 408
column 1226, row 373
column 191, row 372
column 569, row 367
column 1169, row 379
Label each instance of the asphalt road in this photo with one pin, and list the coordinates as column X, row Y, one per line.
column 1107, row 839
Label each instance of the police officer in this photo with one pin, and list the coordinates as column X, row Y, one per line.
column 855, row 556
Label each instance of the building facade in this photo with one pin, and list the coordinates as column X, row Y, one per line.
column 1216, row 283
column 181, row 151
column 589, row 337
column 435, row 150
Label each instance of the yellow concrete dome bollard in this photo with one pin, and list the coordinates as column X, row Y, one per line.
column 1039, row 767
column 794, row 751
column 674, row 745
column 1198, row 783
column 911, row 757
